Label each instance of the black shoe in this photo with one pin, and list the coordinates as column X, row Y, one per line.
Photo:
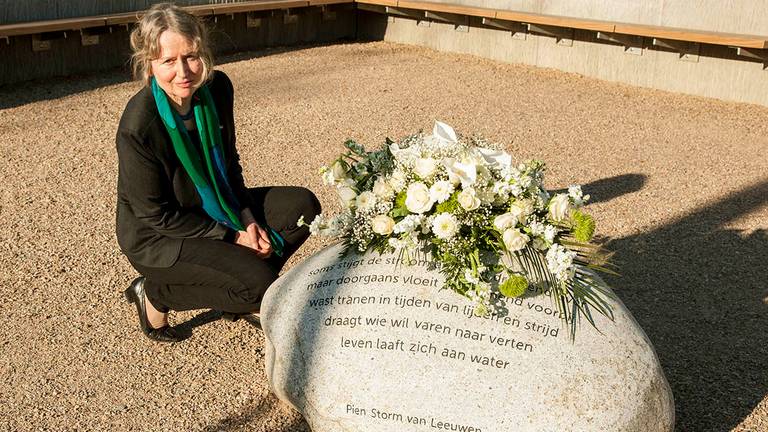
column 135, row 294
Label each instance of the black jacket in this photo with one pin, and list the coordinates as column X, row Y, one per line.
column 157, row 203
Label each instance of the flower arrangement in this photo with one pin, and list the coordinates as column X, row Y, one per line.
column 490, row 225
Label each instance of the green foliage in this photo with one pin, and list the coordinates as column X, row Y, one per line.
column 515, row 286
column 451, row 205
column 354, row 147
column 583, row 226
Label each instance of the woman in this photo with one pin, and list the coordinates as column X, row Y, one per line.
column 185, row 219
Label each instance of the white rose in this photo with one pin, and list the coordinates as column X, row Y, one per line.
column 382, row 189
column 382, row 224
column 328, row 179
column 504, row 221
column 441, row 191
column 464, row 173
column 445, row 226
column 339, row 172
column 425, row 167
column 417, row 198
column 365, row 201
column 347, row 195
column 514, row 240
column 468, row 200
column 486, row 196
column 397, row 180
column 559, row 207
column 522, row 209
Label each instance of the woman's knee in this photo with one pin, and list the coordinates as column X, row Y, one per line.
column 307, row 203
column 249, row 296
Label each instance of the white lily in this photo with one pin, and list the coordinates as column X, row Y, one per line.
column 458, row 172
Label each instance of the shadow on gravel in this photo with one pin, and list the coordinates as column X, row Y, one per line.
column 254, row 414
column 604, row 190
column 54, row 88
column 14, row 95
column 699, row 290
column 607, row 189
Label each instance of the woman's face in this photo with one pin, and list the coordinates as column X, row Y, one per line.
column 178, row 69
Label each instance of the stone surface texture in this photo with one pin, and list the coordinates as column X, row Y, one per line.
column 360, row 344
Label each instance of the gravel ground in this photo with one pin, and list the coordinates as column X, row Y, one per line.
column 679, row 184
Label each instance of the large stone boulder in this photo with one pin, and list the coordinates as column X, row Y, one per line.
column 358, row 344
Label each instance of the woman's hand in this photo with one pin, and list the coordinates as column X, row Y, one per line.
column 259, row 240
column 254, row 237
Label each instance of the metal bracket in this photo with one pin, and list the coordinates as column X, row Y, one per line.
column 563, row 36
column 290, row 18
column 372, row 8
column 327, row 14
column 40, row 44
column 460, row 22
column 519, row 30
column 7, row 39
column 407, row 13
column 754, row 53
column 252, row 20
column 689, row 51
column 43, row 41
column 87, row 39
column 632, row 44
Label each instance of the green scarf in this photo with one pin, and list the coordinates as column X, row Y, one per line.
column 208, row 172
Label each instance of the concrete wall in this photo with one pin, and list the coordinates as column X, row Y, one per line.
column 731, row 16
column 718, row 73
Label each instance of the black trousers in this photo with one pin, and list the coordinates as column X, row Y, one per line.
column 228, row 277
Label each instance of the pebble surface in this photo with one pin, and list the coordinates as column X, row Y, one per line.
column 679, row 186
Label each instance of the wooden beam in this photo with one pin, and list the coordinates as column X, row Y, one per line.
column 701, row 36
column 255, row 6
column 26, row 28
column 201, row 10
column 329, row 2
column 447, row 8
column 555, row 21
column 125, row 18
column 377, row 2
column 406, row 13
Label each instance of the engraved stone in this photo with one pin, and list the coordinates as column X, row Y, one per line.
column 361, row 344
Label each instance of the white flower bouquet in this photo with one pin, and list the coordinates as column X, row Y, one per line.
column 490, row 225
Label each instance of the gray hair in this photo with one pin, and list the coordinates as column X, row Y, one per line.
column 145, row 39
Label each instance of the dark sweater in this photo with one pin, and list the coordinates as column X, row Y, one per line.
column 157, row 203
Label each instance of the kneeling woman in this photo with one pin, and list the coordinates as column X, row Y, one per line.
column 185, row 219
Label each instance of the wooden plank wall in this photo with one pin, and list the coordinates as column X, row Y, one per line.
column 13, row 11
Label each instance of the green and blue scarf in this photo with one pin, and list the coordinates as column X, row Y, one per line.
column 207, row 171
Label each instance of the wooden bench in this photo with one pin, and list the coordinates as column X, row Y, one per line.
column 82, row 23
column 560, row 27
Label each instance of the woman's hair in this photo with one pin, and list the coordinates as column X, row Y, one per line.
column 145, row 38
